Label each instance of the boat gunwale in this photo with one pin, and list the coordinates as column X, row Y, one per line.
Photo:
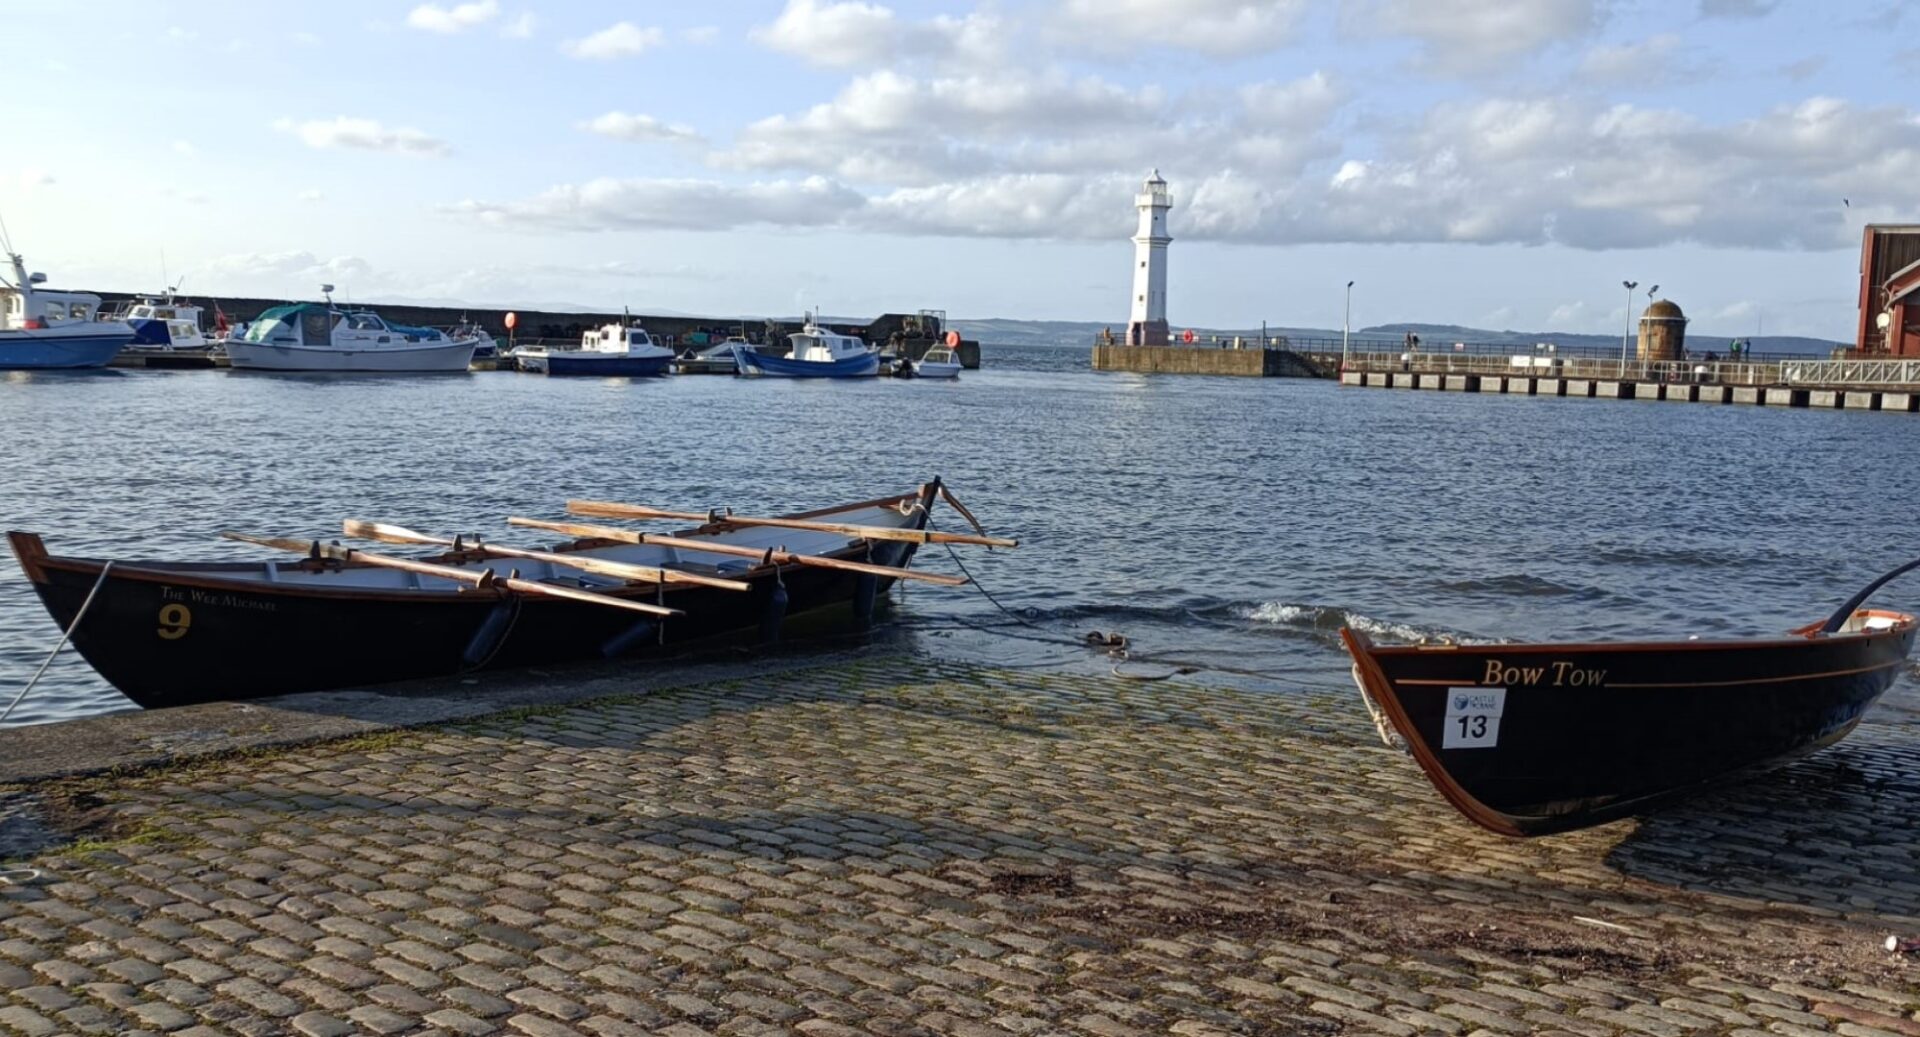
column 1799, row 637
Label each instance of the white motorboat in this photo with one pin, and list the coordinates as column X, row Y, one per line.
column 815, row 352
column 322, row 337
column 938, row 362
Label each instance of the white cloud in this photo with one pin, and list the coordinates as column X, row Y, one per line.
column 1224, row 27
column 28, row 179
column 1473, row 37
column 363, row 134
column 1655, row 61
column 180, row 35
column 850, row 33
column 635, row 127
column 1804, row 69
column 456, row 18
column 621, row 40
column 312, row 195
column 181, row 147
column 257, row 266
column 701, row 34
column 607, row 203
column 521, row 27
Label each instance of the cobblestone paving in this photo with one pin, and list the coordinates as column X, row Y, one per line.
column 905, row 847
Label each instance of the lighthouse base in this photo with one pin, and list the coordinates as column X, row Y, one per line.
column 1148, row 333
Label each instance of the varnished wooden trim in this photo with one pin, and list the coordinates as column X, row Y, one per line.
column 31, row 551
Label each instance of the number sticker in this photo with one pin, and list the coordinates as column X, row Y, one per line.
column 1473, row 718
column 174, row 621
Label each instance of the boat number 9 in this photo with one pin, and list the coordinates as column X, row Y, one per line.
column 1473, row 718
column 174, row 621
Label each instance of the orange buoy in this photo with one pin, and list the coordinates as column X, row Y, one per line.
column 513, row 320
column 953, row 340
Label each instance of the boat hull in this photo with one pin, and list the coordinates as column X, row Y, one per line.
column 923, row 369
column 607, row 365
column 185, row 634
column 1534, row 739
column 60, row 349
column 426, row 357
column 752, row 363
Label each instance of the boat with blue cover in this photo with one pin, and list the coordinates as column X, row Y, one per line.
column 815, row 353
column 48, row 330
column 312, row 336
column 611, row 350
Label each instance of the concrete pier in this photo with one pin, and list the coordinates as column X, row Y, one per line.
column 1242, row 363
column 897, row 846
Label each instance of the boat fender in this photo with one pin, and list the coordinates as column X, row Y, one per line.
column 620, row 643
column 775, row 612
column 493, row 630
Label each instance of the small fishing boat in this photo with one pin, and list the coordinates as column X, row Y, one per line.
column 815, row 353
column 611, row 350
column 938, row 362
column 172, row 633
column 485, row 347
column 322, row 337
column 1530, row 739
column 167, row 332
column 42, row 329
column 714, row 359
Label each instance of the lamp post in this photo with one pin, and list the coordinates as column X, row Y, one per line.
column 1346, row 323
column 1628, row 330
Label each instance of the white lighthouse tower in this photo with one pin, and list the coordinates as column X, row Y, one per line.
column 1148, row 324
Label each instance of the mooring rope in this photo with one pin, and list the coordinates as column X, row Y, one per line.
column 1117, row 645
column 64, row 635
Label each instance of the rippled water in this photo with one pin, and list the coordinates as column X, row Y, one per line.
column 1240, row 522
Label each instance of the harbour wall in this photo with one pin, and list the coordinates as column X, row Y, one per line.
column 1893, row 399
column 1243, row 363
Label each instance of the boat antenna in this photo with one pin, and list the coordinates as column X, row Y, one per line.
column 6, row 240
column 327, row 290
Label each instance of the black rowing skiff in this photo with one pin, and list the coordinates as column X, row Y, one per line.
column 1529, row 739
column 173, row 633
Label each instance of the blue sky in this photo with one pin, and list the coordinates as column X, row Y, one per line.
column 1499, row 164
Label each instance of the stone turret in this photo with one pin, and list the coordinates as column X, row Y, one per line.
column 1663, row 332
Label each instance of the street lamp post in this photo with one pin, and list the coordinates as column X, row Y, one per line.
column 1628, row 330
column 1346, row 324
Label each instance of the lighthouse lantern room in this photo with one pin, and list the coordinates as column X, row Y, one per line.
column 1148, row 324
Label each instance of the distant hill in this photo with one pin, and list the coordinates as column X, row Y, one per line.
column 1007, row 331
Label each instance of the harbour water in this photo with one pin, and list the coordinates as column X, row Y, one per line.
column 1231, row 522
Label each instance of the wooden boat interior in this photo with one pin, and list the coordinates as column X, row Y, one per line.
column 356, row 576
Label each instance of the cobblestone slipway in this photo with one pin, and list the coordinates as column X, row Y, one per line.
column 905, row 847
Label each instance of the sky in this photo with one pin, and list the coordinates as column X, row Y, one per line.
column 1502, row 164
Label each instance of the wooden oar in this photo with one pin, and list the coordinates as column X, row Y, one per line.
column 620, row 570
column 485, row 579
column 573, row 529
column 608, row 509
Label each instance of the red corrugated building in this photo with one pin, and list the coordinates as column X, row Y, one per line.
column 1890, row 290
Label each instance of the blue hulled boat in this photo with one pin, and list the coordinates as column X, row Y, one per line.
column 43, row 330
column 816, row 353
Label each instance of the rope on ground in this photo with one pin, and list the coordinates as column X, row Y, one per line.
column 18, row 876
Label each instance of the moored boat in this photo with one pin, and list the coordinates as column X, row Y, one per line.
column 714, row 359
column 172, row 633
column 1529, row 739
column 938, row 362
column 42, row 329
column 323, row 337
column 611, row 350
column 815, row 353
column 167, row 332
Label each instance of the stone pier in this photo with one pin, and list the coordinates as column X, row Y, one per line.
column 902, row 846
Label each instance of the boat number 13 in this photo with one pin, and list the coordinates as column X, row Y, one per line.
column 174, row 621
column 1472, row 720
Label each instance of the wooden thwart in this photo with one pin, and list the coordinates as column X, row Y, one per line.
column 609, row 509
column 485, row 579
column 573, row 529
column 620, row 570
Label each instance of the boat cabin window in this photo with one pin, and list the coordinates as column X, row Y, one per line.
column 637, row 338
column 164, row 314
column 364, row 322
column 317, row 326
column 81, row 311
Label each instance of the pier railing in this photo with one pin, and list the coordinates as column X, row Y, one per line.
column 1803, row 372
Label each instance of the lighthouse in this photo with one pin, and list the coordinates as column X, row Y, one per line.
column 1148, row 324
